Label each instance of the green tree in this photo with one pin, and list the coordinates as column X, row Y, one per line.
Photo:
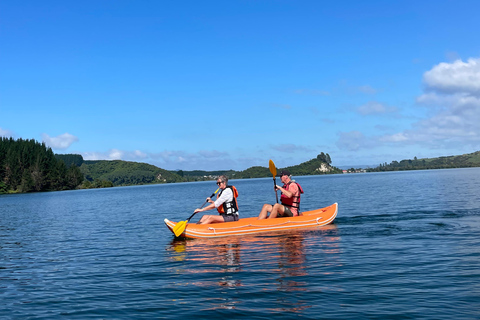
column 3, row 187
column 322, row 157
column 26, row 185
column 70, row 159
column 328, row 159
column 74, row 177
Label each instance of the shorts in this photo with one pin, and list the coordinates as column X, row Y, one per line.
column 287, row 212
column 230, row 217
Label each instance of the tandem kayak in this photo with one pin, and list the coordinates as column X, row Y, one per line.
column 308, row 219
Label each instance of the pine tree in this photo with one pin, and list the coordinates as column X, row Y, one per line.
column 26, row 165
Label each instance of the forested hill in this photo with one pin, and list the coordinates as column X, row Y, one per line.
column 320, row 165
column 27, row 165
column 121, row 172
column 461, row 161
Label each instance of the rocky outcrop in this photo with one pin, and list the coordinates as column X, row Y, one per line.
column 324, row 168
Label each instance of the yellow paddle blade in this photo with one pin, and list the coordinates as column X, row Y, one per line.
column 272, row 167
column 179, row 228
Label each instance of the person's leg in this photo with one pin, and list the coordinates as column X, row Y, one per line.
column 202, row 219
column 277, row 210
column 265, row 210
column 287, row 212
column 230, row 217
column 207, row 219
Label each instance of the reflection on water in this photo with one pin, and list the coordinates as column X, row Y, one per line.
column 279, row 264
column 409, row 248
column 222, row 252
column 291, row 262
column 211, row 256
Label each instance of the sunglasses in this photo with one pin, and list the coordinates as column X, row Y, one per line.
column 219, row 183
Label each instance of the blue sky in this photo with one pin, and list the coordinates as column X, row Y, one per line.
column 231, row 84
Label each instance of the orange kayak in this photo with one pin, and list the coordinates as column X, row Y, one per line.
column 308, row 219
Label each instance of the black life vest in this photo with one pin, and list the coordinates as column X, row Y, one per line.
column 229, row 207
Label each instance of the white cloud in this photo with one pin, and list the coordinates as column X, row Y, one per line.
column 5, row 133
column 93, row 156
column 346, row 88
column 367, row 89
column 60, row 142
column 353, row 141
column 170, row 160
column 115, row 154
column 374, row 107
column 139, row 154
column 453, row 91
column 456, row 77
column 397, row 137
column 291, row 148
column 212, row 154
column 202, row 160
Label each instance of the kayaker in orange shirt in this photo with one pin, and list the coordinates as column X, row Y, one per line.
column 290, row 199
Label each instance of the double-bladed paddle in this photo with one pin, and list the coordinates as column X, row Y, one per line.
column 273, row 170
column 180, row 226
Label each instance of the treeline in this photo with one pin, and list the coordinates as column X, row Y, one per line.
column 76, row 160
column 252, row 172
column 123, row 173
column 461, row 161
column 200, row 175
column 27, row 165
column 70, row 159
column 320, row 165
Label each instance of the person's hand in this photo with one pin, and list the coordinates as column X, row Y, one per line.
column 209, row 199
column 197, row 210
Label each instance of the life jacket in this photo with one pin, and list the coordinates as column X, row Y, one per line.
column 294, row 201
column 229, row 207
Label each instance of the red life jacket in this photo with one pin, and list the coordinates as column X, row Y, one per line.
column 294, row 201
column 229, row 207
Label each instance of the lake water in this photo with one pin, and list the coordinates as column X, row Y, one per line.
column 405, row 245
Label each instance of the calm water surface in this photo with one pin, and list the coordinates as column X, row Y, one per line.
column 405, row 245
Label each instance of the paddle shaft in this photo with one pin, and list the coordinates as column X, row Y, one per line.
column 213, row 194
column 180, row 226
column 275, row 187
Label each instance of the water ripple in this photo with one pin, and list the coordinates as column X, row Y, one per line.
column 404, row 245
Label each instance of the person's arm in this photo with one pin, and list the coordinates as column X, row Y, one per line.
column 209, row 207
column 289, row 193
column 217, row 203
column 226, row 194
